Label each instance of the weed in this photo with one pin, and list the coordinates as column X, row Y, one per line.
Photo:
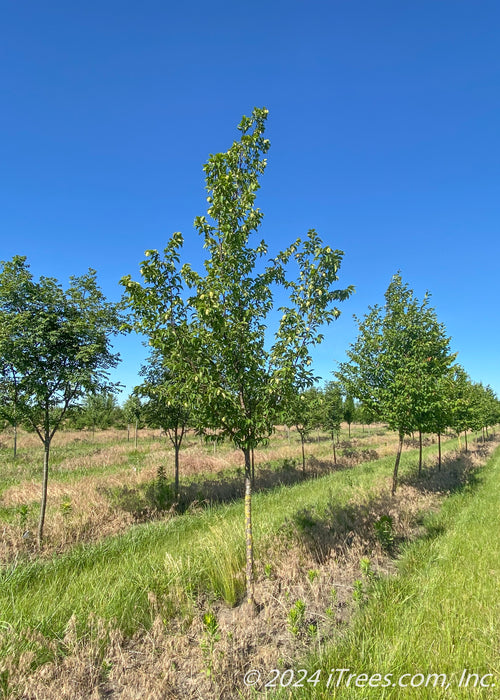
column 66, row 507
column 312, row 629
column 384, row 531
column 358, row 592
column 296, row 617
column 23, row 511
column 161, row 493
column 268, row 571
column 106, row 668
column 289, row 465
column 312, row 575
column 210, row 637
column 366, row 568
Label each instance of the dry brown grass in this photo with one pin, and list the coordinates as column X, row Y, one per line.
column 91, row 515
column 178, row 660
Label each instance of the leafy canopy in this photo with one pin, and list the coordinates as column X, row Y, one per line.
column 211, row 326
column 398, row 360
column 54, row 344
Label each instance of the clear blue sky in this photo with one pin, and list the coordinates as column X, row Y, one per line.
column 384, row 128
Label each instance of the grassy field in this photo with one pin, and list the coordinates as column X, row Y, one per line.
column 100, row 485
column 439, row 615
column 133, row 611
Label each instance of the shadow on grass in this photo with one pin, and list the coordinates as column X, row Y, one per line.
column 154, row 499
column 383, row 520
column 456, row 471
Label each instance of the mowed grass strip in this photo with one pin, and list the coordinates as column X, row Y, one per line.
column 440, row 615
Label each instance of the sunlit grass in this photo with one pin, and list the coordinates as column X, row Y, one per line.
column 440, row 614
column 173, row 561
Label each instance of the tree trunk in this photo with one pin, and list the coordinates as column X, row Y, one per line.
column 466, row 445
column 420, row 453
column 248, row 529
column 334, row 450
column 128, row 432
column 396, row 465
column 15, row 440
column 176, row 468
column 136, row 433
column 253, row 466
column 43, row 504
column 439, row 451
column 303, row 454
column 349, row 430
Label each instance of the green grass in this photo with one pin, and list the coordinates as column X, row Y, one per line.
column 440, row 614
column 196, row 552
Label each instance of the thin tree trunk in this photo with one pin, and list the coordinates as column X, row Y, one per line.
column 303, row 455
column 466, row 445
column 43, row 504
column 248, row 529
column 136, row 433
column 128, row 432
column 334, row 450
column 253, row 466
column 15, row 440
column 396, row 465
column 349, row 430
column 439, row 451
column 176, row 467
column 420, row 453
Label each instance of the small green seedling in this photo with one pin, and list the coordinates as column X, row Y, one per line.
column 296, row 617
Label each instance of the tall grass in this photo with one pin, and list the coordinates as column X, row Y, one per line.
column 440, row 614
column 170, row 562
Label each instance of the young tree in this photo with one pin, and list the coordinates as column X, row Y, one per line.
column 97, row 411
column 349, row 411
column 491, row 409
column 210, row 327
column 9, row 391
column 400, row 351
column 364, row 415
column 439, row 414
column 132, row 411
column 462, row 406
column 333, row 413
column 166, row 405
column 57, row 344
column 304, row 412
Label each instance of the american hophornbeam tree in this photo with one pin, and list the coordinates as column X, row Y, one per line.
column 210, row 327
